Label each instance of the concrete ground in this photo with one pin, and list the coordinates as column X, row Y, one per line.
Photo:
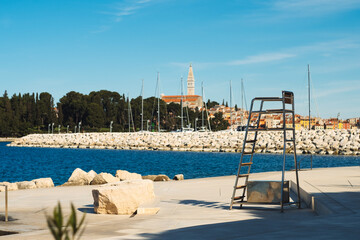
column 199, row 209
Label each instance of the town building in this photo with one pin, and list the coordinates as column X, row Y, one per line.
column 190, row 100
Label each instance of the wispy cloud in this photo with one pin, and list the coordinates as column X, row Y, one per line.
column 321, row 48
column 101, row 29
column 127, row 8
column 267, row 57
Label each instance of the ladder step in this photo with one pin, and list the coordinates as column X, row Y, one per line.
column 241, row 186
column 250, row 141
column 239, row 198
column 270, row 111
column 289, row 140
column 243, row 175
column 246, row 164
column 269, row 129
column 247, row 153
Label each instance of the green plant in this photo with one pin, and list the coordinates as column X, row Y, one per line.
column 72, row 230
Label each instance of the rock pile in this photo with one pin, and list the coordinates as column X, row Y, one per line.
column 36, row 183
column 342, row 142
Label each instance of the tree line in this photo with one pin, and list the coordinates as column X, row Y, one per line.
column 27, row 113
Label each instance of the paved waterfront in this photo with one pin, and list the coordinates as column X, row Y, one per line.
column 198, row 209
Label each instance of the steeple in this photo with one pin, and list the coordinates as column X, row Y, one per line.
column 190, row 82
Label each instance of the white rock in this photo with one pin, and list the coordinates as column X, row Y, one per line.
column 92, row 174
column 125, row 175
column 178, row 177
column 103, row 178
column 43, row 182
column 11, row 186
column 26, row 185
column 78, row 178
column 122, row 197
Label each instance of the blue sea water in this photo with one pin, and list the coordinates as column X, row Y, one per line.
column 25, row 164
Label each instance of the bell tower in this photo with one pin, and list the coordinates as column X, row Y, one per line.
column 190, row 82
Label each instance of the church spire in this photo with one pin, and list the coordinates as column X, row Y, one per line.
column 190, row 82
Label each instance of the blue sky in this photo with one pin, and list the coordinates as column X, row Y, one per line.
column 60, row 46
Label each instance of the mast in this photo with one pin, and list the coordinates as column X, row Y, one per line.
column 129, row 112
column 182, row 110
column 158, row 84
column 242, row 101
column 230, row 106
column 202, row 109
column 142, row 105
column 309, row 95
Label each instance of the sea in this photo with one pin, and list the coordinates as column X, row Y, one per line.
column 26, row 163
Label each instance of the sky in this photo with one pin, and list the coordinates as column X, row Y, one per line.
column 61, row 46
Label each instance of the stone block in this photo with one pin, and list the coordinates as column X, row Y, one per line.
column 122, row 197
column 267, row 191
column 43, row 182
column 125, row 175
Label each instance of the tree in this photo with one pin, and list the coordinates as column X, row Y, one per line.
column 218, row 123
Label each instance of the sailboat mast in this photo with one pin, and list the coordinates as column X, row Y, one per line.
column 182, row 109
column 230, row 106
column 129, row 112
column 158, row 84
column 202, row 108
column 142, row 105
column 309, row 96
column 242, row 101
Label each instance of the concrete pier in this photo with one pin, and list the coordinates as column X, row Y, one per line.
column 198, row 209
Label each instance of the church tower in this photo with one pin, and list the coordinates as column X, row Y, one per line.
column 190, row 82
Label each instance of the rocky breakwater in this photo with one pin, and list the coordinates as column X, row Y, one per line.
column 342, row 142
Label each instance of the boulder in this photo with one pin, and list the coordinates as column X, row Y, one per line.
column 178, row 177
column 125, row 175
column 103, row 178
column 122, row 197
column 157, row 178
column 149, row 177
column 92, row 174
column 26, row 185
column 78, row 178
column 161, row 178
column 11, row 186
column 43, row 182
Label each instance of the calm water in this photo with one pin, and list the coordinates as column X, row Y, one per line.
column 24, row 164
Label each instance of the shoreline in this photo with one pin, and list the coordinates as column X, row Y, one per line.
column 321, row 142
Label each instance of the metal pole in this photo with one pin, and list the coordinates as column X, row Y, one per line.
column 79, row 127
column 6, row 203
column 142, row 105
column 52, row 128
column 284, row 156
column 67, row 129
column 59, row 128
column 75, row 129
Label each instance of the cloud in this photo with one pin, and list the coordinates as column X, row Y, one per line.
column 127, row 8
column 101, row 29
column 321, row 47
column 267, row 57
